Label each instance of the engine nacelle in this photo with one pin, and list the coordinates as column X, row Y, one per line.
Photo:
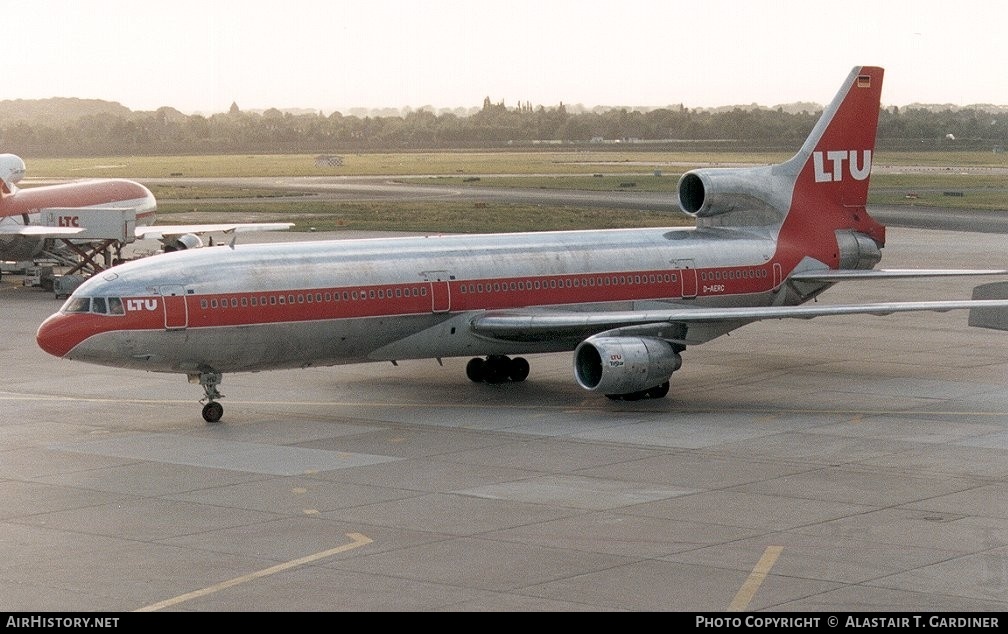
column 708, row 192
column 857, row 251
column 183, row 242
column 12, row 170
column 623, row 365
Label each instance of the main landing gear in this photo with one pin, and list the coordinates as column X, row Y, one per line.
column 497, row 368
column 213, row 410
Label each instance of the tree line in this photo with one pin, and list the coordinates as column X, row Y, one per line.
column 166, row 131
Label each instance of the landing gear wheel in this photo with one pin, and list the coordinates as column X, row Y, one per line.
column 476, row 370
column 212, row 412
column 497, row 369
column 519, row 369
column 659, row 391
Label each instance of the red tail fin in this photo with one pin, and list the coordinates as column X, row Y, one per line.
column 833, row 167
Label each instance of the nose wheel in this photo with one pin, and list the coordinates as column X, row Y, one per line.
column 213, row 410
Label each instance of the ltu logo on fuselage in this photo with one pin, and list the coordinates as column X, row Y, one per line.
column 837, row 158
column 141, row 304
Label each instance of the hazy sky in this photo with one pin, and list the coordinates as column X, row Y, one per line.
column 200, row 56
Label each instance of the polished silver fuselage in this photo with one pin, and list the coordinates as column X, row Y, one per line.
column 341, row 301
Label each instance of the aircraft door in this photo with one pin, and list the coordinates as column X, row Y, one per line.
column 440, row 290
column 176, row 311
column 688, row 275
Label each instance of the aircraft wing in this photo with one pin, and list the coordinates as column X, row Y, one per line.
column 160, row 231
column 549, row 325
column 39, row 231
column 828, row 275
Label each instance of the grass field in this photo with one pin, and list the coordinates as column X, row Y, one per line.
column 453, row 163
column 975, row 180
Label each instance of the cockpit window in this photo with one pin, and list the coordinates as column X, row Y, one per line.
column 77, row 305
column 96, row 305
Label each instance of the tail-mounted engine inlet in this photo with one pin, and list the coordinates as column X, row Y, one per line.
column 751, row 193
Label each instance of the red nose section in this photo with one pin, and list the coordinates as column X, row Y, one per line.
column 60, row 333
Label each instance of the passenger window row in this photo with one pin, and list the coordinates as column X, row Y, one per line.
column 281, row 299
column 575, row 282
column 733, row 274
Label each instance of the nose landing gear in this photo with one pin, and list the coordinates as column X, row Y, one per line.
column 213, row 410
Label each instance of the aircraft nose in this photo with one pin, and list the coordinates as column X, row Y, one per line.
column 57, row 335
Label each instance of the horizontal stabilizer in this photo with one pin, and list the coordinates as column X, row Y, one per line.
column 990, row 317
column 830, row 275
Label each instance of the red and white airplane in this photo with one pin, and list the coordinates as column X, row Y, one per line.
column 626, row 302
column 32, row 217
